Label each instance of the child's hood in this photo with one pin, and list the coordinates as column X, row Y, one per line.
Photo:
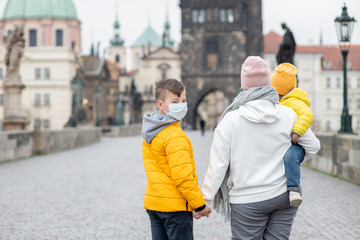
column 153, row 123
column 299, row 94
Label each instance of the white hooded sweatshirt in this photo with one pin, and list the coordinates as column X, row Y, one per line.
column 253, row 140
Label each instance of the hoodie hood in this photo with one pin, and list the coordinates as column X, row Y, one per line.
column 153, row 123
column 260, row 111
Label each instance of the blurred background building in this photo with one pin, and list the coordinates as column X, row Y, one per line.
column 67, row 88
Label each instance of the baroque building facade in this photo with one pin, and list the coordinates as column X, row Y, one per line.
column 52, row 38
column 217, row 36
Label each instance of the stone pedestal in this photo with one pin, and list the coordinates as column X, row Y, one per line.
column 14, row 118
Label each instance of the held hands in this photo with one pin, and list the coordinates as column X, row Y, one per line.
column 205, row 212
column 294, row 137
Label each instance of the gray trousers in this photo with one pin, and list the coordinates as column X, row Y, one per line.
column 270, row 219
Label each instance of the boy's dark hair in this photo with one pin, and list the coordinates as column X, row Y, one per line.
column 173, row 85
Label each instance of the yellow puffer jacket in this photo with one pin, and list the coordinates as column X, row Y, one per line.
column 170, row 168
column 299, row 101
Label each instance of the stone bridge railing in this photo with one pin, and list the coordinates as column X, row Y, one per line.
column 339, row 155
column 23, row 144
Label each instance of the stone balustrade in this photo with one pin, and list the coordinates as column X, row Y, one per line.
column 23, row 144
column 339, row 155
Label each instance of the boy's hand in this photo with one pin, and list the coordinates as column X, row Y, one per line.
column 295, row 137
column 205, row 212
column 196, row 215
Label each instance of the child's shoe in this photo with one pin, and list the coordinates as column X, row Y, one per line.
column 295, row 198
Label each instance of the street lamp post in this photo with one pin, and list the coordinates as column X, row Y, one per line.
column 97, row 102
column 344, row 28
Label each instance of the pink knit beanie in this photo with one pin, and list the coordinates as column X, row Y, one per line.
column 254, row 72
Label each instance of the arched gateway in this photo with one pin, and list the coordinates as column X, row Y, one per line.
column 217, row 36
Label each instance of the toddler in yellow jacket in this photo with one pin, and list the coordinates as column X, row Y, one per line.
column 284, row 81
column 172, row 190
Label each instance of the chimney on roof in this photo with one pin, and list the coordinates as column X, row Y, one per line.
column 321, row 37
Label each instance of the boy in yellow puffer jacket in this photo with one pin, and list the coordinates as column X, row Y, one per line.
column 172, row 191
column 284, row 81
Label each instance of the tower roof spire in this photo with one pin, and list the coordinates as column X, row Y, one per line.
column 116, row 41
column 167, row 41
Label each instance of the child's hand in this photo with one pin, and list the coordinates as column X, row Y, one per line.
column 295, row 137
column 196, row 215
column 205, row 212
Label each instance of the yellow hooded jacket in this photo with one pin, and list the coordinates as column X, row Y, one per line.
column 299, row 101
column 170, row 169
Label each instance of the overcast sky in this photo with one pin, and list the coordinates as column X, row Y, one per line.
column 306, row 18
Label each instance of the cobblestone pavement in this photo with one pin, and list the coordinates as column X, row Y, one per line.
column 96, row 192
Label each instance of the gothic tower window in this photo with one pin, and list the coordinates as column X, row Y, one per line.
column 226, row 15
column 117, row 58
column 198, row 15
column 212, row 53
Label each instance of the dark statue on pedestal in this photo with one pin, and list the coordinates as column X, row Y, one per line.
column 135, row 102
column 287, row 47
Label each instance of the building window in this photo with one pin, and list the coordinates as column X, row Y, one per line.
column 37, row 73
column 222, row 15
column 327, row 65
column 348, row 83
column 32, row 38
column 1, row 99
column 212, row 53
column 47, row 99
column 328, row 104
column 226, row 15
column 358, row 104
column 37, row 124
column 349, row 103
column 358, row 83
column 230, row 15
column 46, row 124
column 59, row 38
column 1, row 73
column 328, row 82
column 198, row 15
column 348, row 65
column 37, row 99
column 328, row 126
column 137, row 59
column 46, row 73
column 358, row 124
column 338, row 83
column 117, row 58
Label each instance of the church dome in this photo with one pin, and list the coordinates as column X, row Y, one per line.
column 39, row 9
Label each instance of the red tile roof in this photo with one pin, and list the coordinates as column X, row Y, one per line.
column 272, row 41
column 330, row 54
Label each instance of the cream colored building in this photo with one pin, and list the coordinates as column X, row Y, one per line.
column 153, row 58
column 52, row 37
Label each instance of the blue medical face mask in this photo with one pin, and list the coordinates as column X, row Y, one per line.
column 177, row 110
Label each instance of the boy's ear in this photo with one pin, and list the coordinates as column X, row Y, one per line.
column 159, row 104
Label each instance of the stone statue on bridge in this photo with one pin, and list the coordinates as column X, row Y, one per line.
column 14, row 118
column 15, row 48
column 287, row 47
